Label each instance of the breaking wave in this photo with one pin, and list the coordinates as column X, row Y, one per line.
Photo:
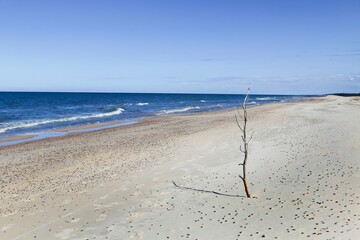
column 265, row 98
column 185, row 109
column 29, row 124
column 142, row 104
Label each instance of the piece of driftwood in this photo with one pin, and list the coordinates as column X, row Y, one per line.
column 241, row 119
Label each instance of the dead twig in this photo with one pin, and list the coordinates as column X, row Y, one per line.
column 244, row 147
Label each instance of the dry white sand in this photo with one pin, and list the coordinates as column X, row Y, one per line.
column 303, row 169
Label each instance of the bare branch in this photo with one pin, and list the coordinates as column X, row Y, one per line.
column 243, row 107
column 246, row 97
column 252, row 134
column 238, row 123
column 239, row 114
column 241, row 149
column 244, row 147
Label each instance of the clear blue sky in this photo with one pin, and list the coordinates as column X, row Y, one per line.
column 286, row 47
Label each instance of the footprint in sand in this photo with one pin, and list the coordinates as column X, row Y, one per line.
column 65, row 234
column 67, row 201
column 30, row 199
column 164, row 193
column 111, row 228
column 159, row 203
column 140, row 186
column 104, row 197
column 100, row 206
column 134, row 215
column 75, row 220
column 82, row 192
column 9, row 213
column 7, row 227
column 101, row 218
column 135, row 194
column 137, row 235
column 114, row 204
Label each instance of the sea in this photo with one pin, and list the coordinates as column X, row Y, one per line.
column 35, row 113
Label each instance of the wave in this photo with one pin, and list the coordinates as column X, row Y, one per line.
column 265, row 98
column 67, row 119
column 185, row 109
column 142, row 104
column 202, row 101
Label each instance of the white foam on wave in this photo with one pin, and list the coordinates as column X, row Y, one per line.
column 265, row 98
column 29, row 124
column 202, row 101
column 142, row 104
column 185, row 109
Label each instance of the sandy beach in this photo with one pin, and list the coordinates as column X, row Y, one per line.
column 117, row 183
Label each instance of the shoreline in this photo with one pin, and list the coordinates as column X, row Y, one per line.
column 117, row 183
column 84, row 128
column 60, row 132
column 16, row 138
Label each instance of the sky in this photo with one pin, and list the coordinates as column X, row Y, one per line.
column 180, row 46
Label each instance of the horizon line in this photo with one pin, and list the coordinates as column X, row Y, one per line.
column 196, row 93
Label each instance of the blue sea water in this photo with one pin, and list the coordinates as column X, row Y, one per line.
column 29, row 112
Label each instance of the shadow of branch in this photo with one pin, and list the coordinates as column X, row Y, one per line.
column 207, row 191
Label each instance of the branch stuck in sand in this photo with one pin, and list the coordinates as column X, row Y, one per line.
column 241, row 120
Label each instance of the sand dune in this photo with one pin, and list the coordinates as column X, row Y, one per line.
column 304, row 174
